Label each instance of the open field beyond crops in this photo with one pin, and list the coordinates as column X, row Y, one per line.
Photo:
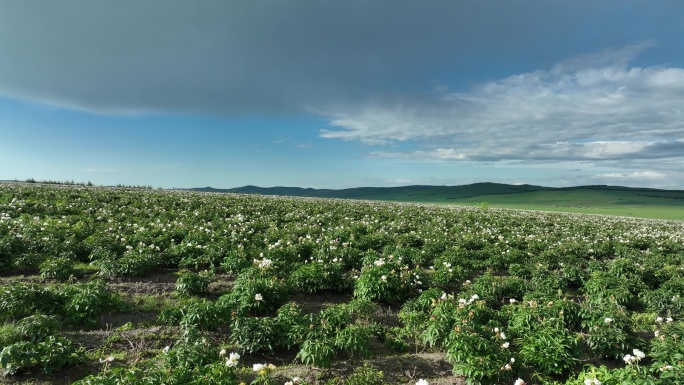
column 139, row 286
column 605, row 200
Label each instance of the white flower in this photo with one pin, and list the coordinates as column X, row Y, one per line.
column 384, row 278
column 222, row 352
column 505, row 345
column 258, row 367
column 502, row 335
column 108, row 359
column 166, row 350
column 631, row 359
column 234, row 356
column 668, row 319
column 659, row 320
column 519, row 381
column 231, row 361
column 608, row 320
column 496, row 330
column 444, row 295
column 258, row 297
column 422, row 382
column 289, row 383
column 512, row 300
column 639, row 354
column 264, row 263
column 512, row 360
column 588, row 381
column 597, row 382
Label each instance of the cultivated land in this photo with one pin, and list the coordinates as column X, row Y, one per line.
column 129, row 286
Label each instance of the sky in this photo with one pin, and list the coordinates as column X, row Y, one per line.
column 343, row 93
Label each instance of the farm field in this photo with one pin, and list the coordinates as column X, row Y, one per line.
column 141, row 286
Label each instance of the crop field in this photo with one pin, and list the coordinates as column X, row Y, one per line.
column 142, row 286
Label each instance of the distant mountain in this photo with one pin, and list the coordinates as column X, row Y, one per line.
column 422, row 193
column 415, row 192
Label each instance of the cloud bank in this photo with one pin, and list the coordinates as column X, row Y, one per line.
column 592, row 108
column 278, row 57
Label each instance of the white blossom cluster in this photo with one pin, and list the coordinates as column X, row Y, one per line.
column 637, row 356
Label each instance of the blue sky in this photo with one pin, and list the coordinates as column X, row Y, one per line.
column 335, row 94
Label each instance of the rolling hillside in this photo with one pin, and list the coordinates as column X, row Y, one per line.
column 612, row 200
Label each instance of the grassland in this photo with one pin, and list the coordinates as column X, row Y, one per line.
column 605, row 200
column 621, row 203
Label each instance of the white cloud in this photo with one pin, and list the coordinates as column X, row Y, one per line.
column 634, row 176
column 440, row 154
column 594, row 107
column 399, row 181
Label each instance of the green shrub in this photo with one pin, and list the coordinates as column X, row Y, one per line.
column 313, row 277
column 316, row 352
column 51, row 354
column 189, row 283
column 603, row 284
column 667, row 346
column 37, row 327
column 129, row 265
column 235, row 261
column 382, row 281
column 255, row 293
column 21, row 299
column 478, row 354
column 448, row 276
column 550, row 349
column 86, row 302
column 543, row 334
column 355, row 340
column 607, row 326
column 202, row 314
column 9, row 334
column 255, row 334
column 58, row 268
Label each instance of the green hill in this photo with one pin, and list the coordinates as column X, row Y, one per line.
column 611, row 200
column 403, row 193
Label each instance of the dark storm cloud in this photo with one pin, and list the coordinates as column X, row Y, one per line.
column 229, row 57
